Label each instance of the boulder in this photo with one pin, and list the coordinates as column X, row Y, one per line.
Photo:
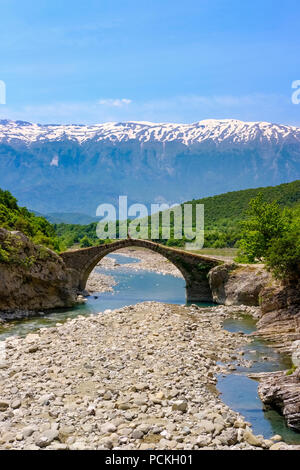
column 233, row 284
column 282, row 392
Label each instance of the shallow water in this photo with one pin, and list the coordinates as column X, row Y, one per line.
column 240, row 392
column 237, row 390
column 132, row 287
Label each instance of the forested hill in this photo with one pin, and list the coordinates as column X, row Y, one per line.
column 222, row 216
column 223, row 213
column 231, row 207
column 13, row 217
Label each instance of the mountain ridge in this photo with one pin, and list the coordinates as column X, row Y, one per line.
column 143, row 131
column 56, row 168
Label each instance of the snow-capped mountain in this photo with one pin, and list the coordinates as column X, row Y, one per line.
column 73, row 168
column 218, row 131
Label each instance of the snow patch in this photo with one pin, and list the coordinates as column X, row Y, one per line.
column 54, row 161
column 230, row 131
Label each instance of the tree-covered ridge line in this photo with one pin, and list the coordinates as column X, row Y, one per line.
column 232, row 205
column 223, row 214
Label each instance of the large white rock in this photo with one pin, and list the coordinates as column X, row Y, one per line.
column 296, row 353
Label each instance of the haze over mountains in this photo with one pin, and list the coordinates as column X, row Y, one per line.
column 72, row 168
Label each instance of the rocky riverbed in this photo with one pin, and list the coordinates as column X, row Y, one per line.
column 141, row 377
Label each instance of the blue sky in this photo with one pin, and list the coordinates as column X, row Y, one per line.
column 163, row 60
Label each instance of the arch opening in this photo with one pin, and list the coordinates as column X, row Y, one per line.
column 149, row 260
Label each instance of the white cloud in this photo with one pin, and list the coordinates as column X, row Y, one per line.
column 118, row 103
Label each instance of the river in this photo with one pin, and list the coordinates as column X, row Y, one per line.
column 237, row 390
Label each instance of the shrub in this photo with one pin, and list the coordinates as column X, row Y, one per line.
column 85, row 242
column 283, row 255
column 13, row 217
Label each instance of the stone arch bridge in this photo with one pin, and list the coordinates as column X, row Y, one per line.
column 193, row 267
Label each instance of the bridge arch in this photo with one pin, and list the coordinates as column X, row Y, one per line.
column 193, row 267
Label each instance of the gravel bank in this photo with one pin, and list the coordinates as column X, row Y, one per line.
column 139, row 377
column 149, row 261
column 98, row 282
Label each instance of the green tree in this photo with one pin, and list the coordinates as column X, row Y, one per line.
column 272, row 235
column 265, row 223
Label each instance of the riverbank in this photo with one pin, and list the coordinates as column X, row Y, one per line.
column 139, row 377
column 32, row 277
column 280, row 325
